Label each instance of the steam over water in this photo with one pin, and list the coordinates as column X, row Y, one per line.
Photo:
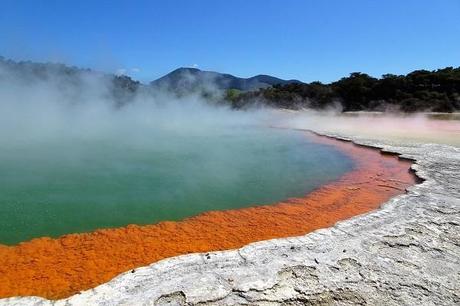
column 72, row 162
column 74, row 185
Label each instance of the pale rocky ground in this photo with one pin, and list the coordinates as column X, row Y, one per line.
column 406, row 253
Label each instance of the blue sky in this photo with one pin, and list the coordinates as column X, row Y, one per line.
column 306, row 40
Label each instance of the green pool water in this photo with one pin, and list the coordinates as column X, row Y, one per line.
column 77, row 184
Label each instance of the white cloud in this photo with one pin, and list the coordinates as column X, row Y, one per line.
column 126, row 71
column 120, row 71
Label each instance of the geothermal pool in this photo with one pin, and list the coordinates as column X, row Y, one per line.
column 57, row 185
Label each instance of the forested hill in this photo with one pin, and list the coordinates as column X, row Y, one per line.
column 420, row 90
column 72, row 81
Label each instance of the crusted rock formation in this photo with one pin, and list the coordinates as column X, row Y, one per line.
column 406, row 253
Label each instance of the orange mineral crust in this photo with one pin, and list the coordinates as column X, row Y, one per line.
column 57, row 268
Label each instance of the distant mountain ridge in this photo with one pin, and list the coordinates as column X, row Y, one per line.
column 420, row 90
column 190, row 79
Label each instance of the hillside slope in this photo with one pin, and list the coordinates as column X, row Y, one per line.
column 191, row 79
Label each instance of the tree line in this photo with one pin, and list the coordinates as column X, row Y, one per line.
column 420, row 90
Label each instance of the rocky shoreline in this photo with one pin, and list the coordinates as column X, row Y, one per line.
column 406, row 253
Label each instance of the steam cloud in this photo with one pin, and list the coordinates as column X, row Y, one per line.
column 35, row 108
column 52, row 106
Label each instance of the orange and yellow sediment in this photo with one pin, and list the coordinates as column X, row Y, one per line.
column 57, row 268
